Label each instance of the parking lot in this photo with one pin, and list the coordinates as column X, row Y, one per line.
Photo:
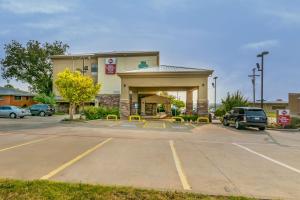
column 210, row 159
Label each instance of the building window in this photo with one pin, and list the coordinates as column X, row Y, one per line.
column 18, row 98
column 94, row 68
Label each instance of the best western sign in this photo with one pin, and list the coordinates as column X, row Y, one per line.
column 283, row 117
column 110, row 65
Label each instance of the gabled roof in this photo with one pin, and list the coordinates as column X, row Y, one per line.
column 168, row 69
column 14, row 92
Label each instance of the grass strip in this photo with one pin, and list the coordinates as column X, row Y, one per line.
column 41, row 189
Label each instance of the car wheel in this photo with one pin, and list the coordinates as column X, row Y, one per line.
column 22, row 117
column 225, row 122
column 237, row 125
column 262, row 128
column 42, row 114
column 13, row 115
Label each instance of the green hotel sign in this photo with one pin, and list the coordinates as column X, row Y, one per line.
column 143, row 64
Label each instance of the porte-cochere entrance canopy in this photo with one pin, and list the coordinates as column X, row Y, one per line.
column 140, row 83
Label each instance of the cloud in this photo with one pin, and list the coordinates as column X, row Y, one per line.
column 288, row 17
column 163, row 5
column 4, row 32
column 261, row 44
column 35, row 6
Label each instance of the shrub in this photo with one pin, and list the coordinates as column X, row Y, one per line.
column 295, row 123
column 101, row 112
column 189, row 117
column 175, row 112
column 220, row 112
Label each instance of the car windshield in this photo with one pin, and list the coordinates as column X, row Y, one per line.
column 253, row 112
column 14, row 107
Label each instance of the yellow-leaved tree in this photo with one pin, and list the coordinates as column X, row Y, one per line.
column 76, row 88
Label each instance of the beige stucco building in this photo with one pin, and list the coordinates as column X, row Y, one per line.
column 131, row 80
column 294, row 103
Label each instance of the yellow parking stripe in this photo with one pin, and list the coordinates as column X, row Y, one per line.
column 27, row 143
column 164, row 125
column 193, row 125
column 179, row 168
column 145, row 124
column 71, row 162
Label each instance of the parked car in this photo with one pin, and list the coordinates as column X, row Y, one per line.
column 13, row 112
column 242, row 117
column 42, row 110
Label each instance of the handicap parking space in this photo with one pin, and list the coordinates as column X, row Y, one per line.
column 161, row 125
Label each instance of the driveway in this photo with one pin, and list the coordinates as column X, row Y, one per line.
column 210, row 159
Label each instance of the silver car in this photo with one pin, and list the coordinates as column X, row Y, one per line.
column 13, row 112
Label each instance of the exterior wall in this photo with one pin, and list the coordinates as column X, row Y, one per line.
column 111, row 84
column 10, row 100
column 110, row 100
column 60, row 64
column 294, row 103
column 272, row 107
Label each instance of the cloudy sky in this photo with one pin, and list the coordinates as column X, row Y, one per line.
column 224, row 35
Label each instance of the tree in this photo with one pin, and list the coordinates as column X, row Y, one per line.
column 46, row 99
column 9, row 86
column 31, row 63
column 75, row 88
column 176, row 102
column 235, row 99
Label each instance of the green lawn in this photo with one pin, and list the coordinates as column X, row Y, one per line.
column 15, row 189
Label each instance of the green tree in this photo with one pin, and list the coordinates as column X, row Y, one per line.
column 46, row 99
column 31, row 63
column 76, row 88
column 9, row 86
column 235, row 99
column 178, row 103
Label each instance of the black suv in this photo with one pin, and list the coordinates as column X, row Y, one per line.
column 42, row 110
column 246, row 117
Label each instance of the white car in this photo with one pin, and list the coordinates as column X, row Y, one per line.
column 13, row 112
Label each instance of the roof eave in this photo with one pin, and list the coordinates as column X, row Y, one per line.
column 206, row 72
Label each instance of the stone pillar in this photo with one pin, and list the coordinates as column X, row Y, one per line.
column 202, row 101
column 143, row 110
column 168, row 109
column 124, row 101
column 134, row 100
column 189, row 102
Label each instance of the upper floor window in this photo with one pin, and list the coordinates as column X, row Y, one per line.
column 94, row 68
column 18, row 98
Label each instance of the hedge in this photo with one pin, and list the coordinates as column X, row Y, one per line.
column 92, row 112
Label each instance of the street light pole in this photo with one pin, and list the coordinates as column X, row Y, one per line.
column 253, row 76
column 215, row 86
column 261, row 69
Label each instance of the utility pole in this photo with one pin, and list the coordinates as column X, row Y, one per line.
column 261, row 69
column 253, row 76
column 215, row 86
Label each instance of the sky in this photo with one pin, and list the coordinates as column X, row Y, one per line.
column 223, row 35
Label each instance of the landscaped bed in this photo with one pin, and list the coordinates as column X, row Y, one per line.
column 15, row 189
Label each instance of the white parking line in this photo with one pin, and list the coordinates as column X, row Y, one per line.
column 180, row 171
column 268, row 158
